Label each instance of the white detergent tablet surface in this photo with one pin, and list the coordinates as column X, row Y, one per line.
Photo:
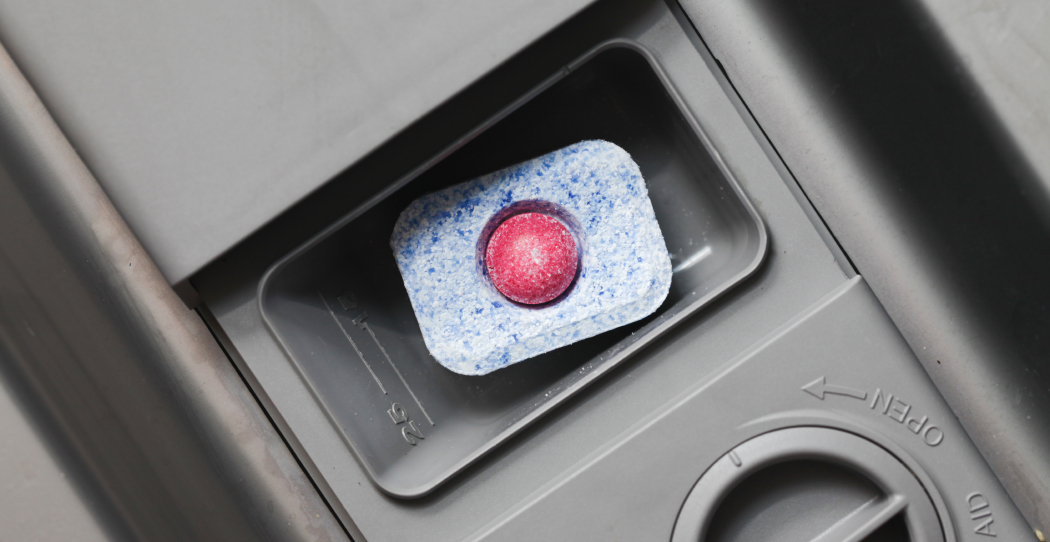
column 597, row 193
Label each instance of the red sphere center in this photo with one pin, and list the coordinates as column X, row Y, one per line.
column 531, row 258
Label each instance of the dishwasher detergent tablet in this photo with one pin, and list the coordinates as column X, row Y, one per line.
column 532, row 257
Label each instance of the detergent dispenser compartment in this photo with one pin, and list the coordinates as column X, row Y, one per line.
column 339, row 308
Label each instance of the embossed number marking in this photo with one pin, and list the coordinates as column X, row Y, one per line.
column 409, row 431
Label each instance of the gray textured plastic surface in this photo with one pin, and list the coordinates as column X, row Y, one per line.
column 618, row 460
column 835, row 387
column 339, row 308
column 925, row 187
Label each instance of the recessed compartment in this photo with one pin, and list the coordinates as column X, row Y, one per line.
column 338, row 306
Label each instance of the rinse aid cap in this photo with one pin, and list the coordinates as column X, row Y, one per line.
column 467, row 317
column 531, row 258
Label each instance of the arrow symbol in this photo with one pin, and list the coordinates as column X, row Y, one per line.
column 819, row 387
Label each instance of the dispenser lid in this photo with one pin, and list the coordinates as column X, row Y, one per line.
column 808, row 484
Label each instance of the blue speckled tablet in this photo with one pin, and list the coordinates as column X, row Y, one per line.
column 592, row 187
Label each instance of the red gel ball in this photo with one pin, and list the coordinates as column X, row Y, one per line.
column 531, row 258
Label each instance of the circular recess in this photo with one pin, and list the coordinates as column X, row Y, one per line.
column 531, row 258
column 809, row 484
